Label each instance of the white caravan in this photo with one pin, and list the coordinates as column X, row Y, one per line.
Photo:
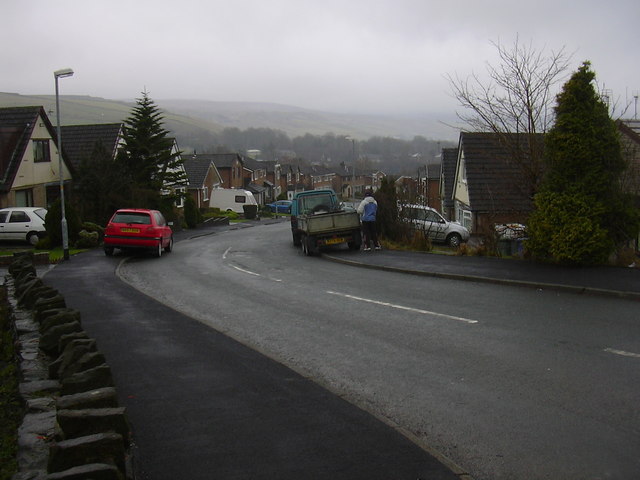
column 231, row 199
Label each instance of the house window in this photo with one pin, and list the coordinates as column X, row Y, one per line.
column 180, row 192
column 24, row 198
column 41, row 151
column 466, row 220
column 205, row 194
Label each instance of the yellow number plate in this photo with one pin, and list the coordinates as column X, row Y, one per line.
column 333, row 241
column 130, row 230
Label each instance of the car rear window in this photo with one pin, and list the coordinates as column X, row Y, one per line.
column 132, row 217
column 41, row 212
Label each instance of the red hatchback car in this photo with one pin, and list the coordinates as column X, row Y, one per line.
column 136, row 228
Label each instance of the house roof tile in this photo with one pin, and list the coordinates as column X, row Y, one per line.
column 495, row 179
column 197, row 168
column 79, row 141
column 448, row 172
column 221, row 160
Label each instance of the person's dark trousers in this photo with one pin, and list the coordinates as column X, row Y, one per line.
column 369, row 234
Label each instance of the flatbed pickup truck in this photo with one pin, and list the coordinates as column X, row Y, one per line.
column 319, row 220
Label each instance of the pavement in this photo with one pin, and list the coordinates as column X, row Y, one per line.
column 620, row 282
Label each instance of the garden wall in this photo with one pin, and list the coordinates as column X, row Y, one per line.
column 73, row 426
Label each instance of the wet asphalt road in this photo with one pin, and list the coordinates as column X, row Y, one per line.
column 204, row 406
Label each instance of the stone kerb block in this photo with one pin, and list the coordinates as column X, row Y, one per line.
column 93, row 471
column 47, row 303
column 71, row 354
column 41, row 316
column 64, row 339
column 50, row 339
column 87, row 361
column 23, row 287
column 105, row 448
column 22, row 261
column 100, row 398
column 80, row 423
column 91, row 379
column 62, row 316
column 35, row 294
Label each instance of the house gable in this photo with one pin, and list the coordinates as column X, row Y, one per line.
column 29, row 156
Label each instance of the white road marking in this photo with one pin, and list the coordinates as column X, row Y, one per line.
column 622, row 352
column 402, row 307
column 246, row 271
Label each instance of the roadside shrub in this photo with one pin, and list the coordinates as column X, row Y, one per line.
column 565, row 229
column 87, row 239
column 230, row 215
column 192, row 215
column 52, row 223
column 43, row 244
column 93, row 227
column 265, row 212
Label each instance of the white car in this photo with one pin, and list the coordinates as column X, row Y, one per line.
column 429, row 221
column 22, row 224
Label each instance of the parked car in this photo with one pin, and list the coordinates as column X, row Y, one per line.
column 136, row 228
column 22, row 224
column 280, row 206
column 429, row 221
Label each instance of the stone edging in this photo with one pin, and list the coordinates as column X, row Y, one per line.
column 73, row 427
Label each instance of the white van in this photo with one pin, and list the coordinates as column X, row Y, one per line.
column 231, row 199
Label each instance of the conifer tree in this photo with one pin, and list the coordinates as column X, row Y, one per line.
column 147, row 160
column 581, row 213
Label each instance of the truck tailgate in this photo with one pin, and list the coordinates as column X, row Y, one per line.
column 330, row 222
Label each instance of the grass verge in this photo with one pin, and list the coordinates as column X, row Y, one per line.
column 11, row 410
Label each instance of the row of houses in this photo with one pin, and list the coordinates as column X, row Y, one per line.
column 30, row 164
column 478, row 183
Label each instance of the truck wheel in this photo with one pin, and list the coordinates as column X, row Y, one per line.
column 296, row 240
column 308, row 246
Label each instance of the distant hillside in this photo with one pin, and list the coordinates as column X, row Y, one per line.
column 196, row 123
column 298, row 121
column 81, row 110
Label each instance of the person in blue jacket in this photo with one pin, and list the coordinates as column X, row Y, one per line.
column 368, row 209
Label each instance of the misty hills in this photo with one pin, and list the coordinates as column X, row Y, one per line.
column 196, row 123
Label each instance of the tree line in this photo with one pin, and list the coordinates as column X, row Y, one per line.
column 391, row 155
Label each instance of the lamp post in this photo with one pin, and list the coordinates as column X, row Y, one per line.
column 353, row 170
column 65, row 72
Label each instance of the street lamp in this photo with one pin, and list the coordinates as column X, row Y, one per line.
column 65, row 72
column 353, row 171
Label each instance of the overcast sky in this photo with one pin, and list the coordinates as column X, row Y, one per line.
column 352, row 56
